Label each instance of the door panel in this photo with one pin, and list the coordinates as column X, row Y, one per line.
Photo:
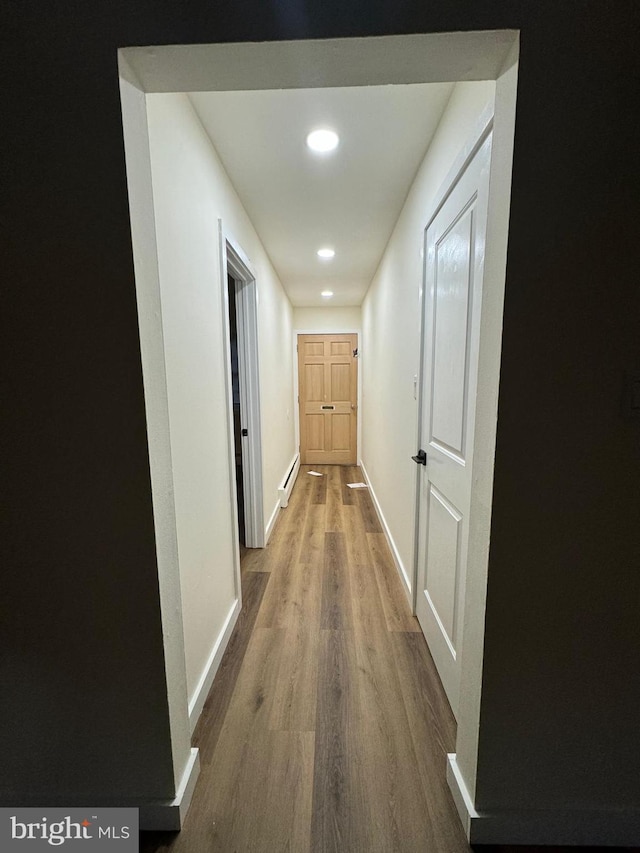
column 328, row 389
column 450, row 334
column 341, row 432
column 314, row 383
column 443, row 547
column 313, row 348
column 340, row 348
column 341, row 382
column 315, row 432
column 454, row 252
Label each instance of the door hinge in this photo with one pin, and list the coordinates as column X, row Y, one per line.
column 245, row 432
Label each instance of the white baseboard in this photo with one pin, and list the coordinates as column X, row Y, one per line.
column 557, row 827
column 170, row 815
column 271, row 523
column 404, row 577
column 461, row 796
column 288, row 481
column 206, row 679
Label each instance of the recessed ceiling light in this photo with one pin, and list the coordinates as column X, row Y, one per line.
column 323, row 140
column 327, row 294
column 326, row 253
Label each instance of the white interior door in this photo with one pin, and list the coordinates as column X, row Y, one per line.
column 454, row 259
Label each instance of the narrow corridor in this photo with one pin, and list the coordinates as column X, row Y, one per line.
column 326, row 728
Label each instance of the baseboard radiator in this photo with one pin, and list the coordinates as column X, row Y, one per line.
column 289, row 481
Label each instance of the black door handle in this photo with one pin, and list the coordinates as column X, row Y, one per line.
column 421, row 458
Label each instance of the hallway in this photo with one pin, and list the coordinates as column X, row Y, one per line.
column 326, row 728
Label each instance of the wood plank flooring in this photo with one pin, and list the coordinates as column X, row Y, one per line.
column 326, row 728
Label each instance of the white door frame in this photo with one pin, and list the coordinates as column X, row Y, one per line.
column 405, row 59
column 296, row 407
column 234, row 261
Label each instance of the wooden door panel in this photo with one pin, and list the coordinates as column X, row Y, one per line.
column 315, row 431
column 312, row 348
column 314, row 383
column 327, row 371
column 340, row 431
column 340, row 383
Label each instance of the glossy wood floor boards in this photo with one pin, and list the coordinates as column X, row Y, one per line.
column 326, row 728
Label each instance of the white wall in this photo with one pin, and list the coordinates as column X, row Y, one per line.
column 391, row 330
column 328, row 319
column 138, row 157
column 191, row 193
column 275, row 329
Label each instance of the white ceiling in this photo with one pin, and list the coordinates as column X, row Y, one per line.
column 349, row 199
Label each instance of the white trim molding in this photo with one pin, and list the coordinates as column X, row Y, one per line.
column 404, row 575
column 271, row 523
column 170, row 815
column 206, row 679
column 460, row 793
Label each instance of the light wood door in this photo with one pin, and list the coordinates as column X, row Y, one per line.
column 328, row 399
column 454, row 250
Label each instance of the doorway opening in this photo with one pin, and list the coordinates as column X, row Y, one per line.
column 307, row 65
column 243, row 394
column 237, row 414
